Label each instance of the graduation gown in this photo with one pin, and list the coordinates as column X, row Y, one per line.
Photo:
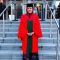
column 29, row 41
column 23, row 30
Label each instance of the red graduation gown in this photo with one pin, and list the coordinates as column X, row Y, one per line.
column 22, row 32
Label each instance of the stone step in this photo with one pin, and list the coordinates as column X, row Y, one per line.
column 14, row 34
column 7, row 21
column 16, row 40
column 16, row 29
column 16, row 25
column 43, row 55
column 17, row 32
column 46, row 38
column 19, row 52
column 20, row 44
column 17, row 46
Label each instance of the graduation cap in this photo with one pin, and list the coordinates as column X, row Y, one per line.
column 29, row 5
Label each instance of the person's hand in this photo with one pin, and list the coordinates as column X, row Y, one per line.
column 30, row 34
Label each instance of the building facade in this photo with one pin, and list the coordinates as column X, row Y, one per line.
column 18, row 7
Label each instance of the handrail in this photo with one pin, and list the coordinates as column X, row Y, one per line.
column 54, row 18
column 4, row 10
column 57, row 43
column 2, row 13
column 55, row 21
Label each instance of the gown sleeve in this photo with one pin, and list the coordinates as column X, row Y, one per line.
column 37, row 27
column 21, row 30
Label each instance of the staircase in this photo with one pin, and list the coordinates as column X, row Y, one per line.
column 10, row 46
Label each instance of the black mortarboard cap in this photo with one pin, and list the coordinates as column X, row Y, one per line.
column 30, row 5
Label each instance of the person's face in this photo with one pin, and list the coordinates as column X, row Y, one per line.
column 29, row 9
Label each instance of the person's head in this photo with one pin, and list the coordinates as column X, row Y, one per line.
column 29, row 8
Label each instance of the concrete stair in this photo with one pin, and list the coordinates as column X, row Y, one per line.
column 10, row 45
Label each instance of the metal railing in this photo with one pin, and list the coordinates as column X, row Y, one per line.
column 2, row 13
column 57, row 43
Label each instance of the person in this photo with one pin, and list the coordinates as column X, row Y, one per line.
column 28, row 32
column 2, row 7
